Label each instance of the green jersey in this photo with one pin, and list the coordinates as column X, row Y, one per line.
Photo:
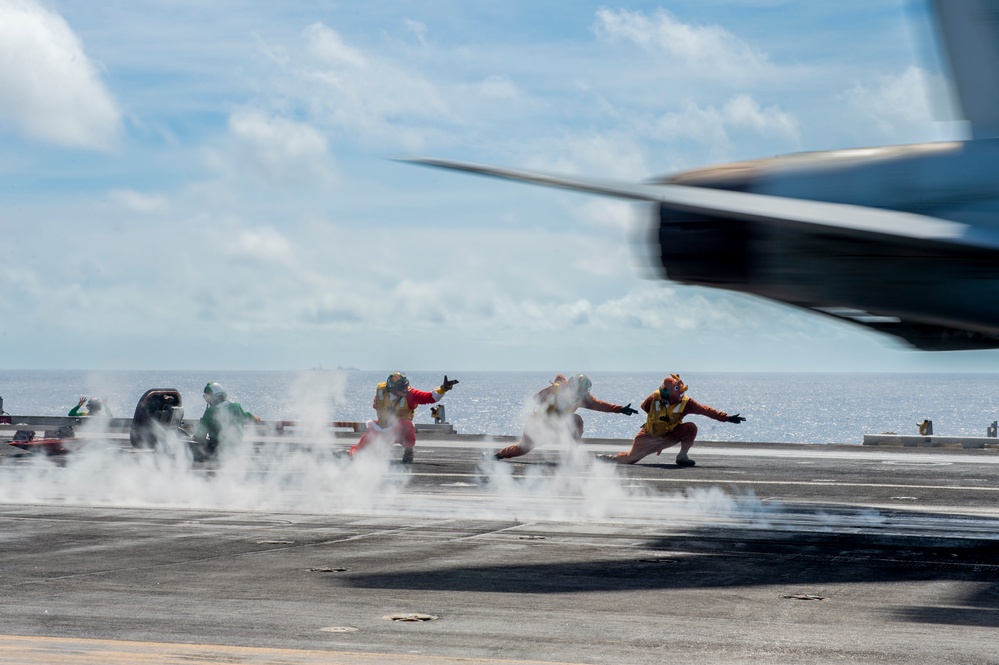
column 222, row 424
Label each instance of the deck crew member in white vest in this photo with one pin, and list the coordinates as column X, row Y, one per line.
column 555, row 415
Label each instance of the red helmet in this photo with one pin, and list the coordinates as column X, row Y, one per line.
column 672, row 388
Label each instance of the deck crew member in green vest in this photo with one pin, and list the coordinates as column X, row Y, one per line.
column 222, row 424
column 95, row 407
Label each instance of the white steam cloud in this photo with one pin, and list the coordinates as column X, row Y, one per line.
column 308, row 471
column 322, row 479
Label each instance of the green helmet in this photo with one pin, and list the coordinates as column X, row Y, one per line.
column 215, row 394
column 397, row 382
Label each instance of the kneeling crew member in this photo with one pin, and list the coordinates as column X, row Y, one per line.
column 664, row 425
column 557, row 406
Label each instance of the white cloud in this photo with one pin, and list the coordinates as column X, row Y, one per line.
column 706, row 50
column 576, row 313
column 691, row 123
column 419, row 302
column 328, row 46
column 671, row 310
column 264, row 246
column 675, row 310
column 719, row 128
column 608, row 213
column 745, row 112
column 898, row 106
column 419, row 29
column 612, row 155
column 145, row 204
column 364, row 94
column 281, row 150
column 49, row 89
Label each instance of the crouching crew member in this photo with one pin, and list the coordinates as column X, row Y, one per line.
column 664, row 425
column 395, row 402
column 556, row 412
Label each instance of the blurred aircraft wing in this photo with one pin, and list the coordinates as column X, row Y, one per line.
column 969, row 35
column 847, row 219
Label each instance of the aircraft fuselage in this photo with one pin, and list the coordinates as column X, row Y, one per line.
column 933, row 295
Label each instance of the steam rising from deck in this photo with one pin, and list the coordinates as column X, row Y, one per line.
column 313, row 475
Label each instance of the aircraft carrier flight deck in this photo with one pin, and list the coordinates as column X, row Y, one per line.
column 762, row 553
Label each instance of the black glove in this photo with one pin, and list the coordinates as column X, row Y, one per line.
column 736, row 419
column 627, row 410
column 448, row 385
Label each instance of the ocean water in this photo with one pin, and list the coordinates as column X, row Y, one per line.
column 781, row 407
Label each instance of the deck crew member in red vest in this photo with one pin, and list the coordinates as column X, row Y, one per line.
column 395, row 403
column 664, row 426
column 556, row 413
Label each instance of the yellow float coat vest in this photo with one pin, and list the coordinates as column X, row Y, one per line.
column 672, row 412
column 391, row 409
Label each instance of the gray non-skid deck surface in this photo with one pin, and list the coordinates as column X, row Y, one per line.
column 824, row 554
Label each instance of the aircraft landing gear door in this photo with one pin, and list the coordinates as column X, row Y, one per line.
column 159, row 411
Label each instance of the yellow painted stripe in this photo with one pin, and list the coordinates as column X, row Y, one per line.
column 32, row 650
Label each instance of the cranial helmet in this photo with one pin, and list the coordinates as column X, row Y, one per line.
column 94, row 406
column 397, row 382
column 581, row 383
column 215, row 394
column 673, row 387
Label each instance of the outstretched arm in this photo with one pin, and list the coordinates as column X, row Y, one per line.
column 696, row 408
column 594, row 404
column 415, row 397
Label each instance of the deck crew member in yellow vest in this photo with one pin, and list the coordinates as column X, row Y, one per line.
column 664, row 426
column 395, row 403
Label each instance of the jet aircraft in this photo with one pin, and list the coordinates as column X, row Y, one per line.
column 901, row 239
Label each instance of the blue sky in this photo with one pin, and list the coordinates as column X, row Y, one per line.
column 200, row 185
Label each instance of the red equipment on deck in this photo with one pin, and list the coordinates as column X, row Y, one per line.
column 56, row 442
